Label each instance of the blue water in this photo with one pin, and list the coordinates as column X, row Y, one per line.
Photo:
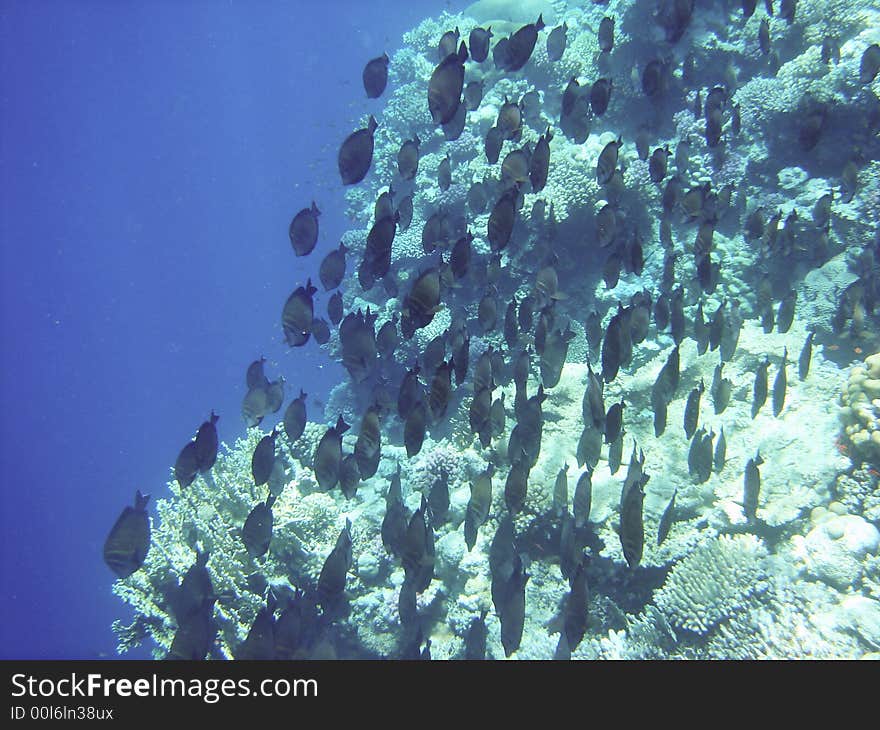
column 151, row 157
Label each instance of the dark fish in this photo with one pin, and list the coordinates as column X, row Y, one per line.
column 869, row 64
column 787, row 10
column 780, row 383
column 263, row 458
column 331, row 581
column 516, row 486
column 692, row 410
column 667, row 378
column 764, row 36
column 375, row 76
column 368, row 447
column 570, row 548
column 195, row 635
column 405, row 212
column 475, row 639
column 822, row 211
column 593, row 405
column 589, row 447
column 607, row 162
column 298, row 314
column 441, row 387
column 575, row 611
column 653, row 77
column 674, row 16
column 195, row 591
column 275, row 394
column 805, row 357
column 478, row 506
column 332, row 270
column 473, row 95
column 487, row 311
column 478, row 43
column 448, row 43
column 759, row 392
column 479, row 415
column 377, row 252
column 632, row 529
column 422, row 302
column 606, row 226
column 444, row 174
column 503, row 558
column 295, row 418
column 556, row 42
column 786, row 311
column 615, row 452
column 752, row 487
column 612, row 347
column 830, row 50
column 720, row 456
column 498, row 417
column 539, row 164
column 349, row 476
column 328, row 455
column 492, row 145
column 260, row 641
column 395, row 521
column 554, row 354
column 334, row 308
column 600, row 96
column 438, row 497
column 206, row 443
column 642, row 141
column 701, row 330
column 125, row 548
column 320, row 331
column 730, row 333
column 659, row 406
column 253, row 408
column 515, row 168
column 658, row 163
column 460, row 357
column 583, row 499
column 256, row 534
column 848, row 182
column 606, row 34
column 501, row 220
column 511, row 329
column 414, row 428
column 721, row 388
column 513, row 611
column 255, row 377
column 700, row 456
column 187, row 465
column 453, row 129
column 812, row 122
column 303, row 231
column 748, row 7
column 408, row 158
column 521, row 44
column 666, row 520
column 614, row 421
column 576, row 117
column 560, row 492
column 356, row 154
column 445, row 86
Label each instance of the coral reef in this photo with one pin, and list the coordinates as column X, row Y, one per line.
column 860, row 410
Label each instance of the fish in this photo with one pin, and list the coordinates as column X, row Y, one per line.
column 405, row 212
column 700, row 456
column 331, row 581
column 473, row 95
column 607, row 162
column 320, row 331
column 659, row 406
column 614, row 421
column 692, row 410
column 422, row 302
column 516, row 487
column 720, row 456
column 576, row 117
column 780, row 383
column 295, row 418
column 583, row 498
column 349, row 476
column 701, row 330
column 334, row 308
column 438, row 497
column 498, row 417
column 822, row 211
column 441, row 387
column 332, row 269
column 748, row 8
column 732, row 326
column 453, row 129
column 478, row 43
column 613, row 346
column 444, row 174
column 848, row 182
column 492, row 145
column 448, row 43
column 303, row 231
column 256, row 534
column 759, row 391
column 195, row 591
column 263, row 458
column 445, row 86
column 539, row 164
column 589, row 447
column 368, row 447
column 668, row 377
column 298, row 314
column 657, row 165
column 356, row 154
column 606, row 226
column 515, row 168
column 408, row 158
column 870, row 64
column 553, row 356
column 205, row 444
column 674, row 16
column 254, row 407
column 764, row 36
column 654, row 77
column 576, row 607
column 478, row 505
column 487, row 311
column 414, row 428
column 128, row 542
column 593, row 405
column 556, row 41
column 513, row 610
column 501, row 220
column 752, row 487
column 615, row 452
column 606, row 34
column 721, row 388
column 521, row 44
column 676, row 315
column 395, row 521
column 600, row 95
column 813, row 117
column 805, row 357
column 194, row 636
column 475, row 639
column 666, row 520
column 375, row 76
column 328, row 455
column 632, row 529
column 786, row 311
